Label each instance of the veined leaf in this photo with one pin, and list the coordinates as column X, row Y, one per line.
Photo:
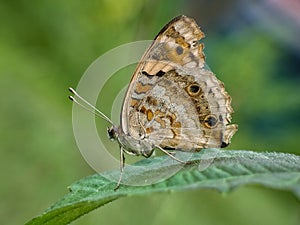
column 222, row 170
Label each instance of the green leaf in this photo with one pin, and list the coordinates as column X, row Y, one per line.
column 211, row 168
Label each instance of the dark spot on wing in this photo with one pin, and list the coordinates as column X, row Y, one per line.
column 224, row 145
column 179, row 50
column 160, row 73
column 147, row 74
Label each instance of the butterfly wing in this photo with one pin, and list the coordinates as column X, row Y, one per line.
column 173, row 99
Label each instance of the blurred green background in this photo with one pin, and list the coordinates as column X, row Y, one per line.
column 45, row 47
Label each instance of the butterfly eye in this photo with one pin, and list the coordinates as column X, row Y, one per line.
column 193, row 89
column 210, row 121
column 111, row 133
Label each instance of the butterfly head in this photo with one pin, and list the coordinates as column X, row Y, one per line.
column 129, row 144
column 112, row 132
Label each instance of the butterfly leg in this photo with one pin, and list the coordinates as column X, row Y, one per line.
column 122, row 163
column 170, row 154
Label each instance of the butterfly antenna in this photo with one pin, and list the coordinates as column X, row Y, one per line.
column 92, row 108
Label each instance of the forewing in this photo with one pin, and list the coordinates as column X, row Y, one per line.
column 173, row 99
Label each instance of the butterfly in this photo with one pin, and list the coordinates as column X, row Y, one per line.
column 173, row 101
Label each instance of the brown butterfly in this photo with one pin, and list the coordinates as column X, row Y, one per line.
column 173, row 102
